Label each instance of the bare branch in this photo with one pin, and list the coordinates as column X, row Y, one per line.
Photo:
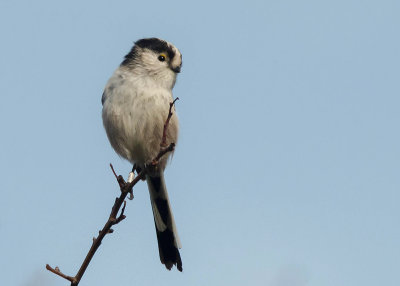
column 126, row 188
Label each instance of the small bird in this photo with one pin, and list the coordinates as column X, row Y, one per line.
column 136, row 103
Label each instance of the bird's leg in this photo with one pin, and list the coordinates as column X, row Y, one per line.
column 138, row 170
column 132, row 173
column 131, row 177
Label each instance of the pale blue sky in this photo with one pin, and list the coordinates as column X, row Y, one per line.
column 287, row 168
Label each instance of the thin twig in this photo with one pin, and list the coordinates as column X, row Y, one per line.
column 164, row 137
column 120, row 179
column 112, row 169
column 162, row 152
column 59, row 273
column 121, row 216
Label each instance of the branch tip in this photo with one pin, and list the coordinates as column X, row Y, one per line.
column 115, row 174
column 174, row 101
column 59, row 273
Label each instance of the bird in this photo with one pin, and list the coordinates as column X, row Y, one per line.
column 136, row 102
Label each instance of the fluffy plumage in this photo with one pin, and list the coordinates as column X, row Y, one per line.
column 135, row 106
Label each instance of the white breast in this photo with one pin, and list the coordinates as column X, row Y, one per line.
column 134, row 112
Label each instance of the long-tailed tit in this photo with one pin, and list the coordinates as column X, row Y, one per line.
column 135, row 106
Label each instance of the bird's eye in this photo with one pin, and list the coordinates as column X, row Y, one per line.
column 161, row 57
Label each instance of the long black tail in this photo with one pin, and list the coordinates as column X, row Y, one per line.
column 167, row 235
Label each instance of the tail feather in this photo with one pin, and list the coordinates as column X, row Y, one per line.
column 167, row 235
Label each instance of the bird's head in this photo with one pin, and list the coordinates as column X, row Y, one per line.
column 156, row 58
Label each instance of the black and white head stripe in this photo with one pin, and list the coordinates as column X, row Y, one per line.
column 153, row 44
column 156, row 45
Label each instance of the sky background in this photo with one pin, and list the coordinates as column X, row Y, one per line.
column 286, row 172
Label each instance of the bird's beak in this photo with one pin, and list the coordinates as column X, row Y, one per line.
column 176, row 69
